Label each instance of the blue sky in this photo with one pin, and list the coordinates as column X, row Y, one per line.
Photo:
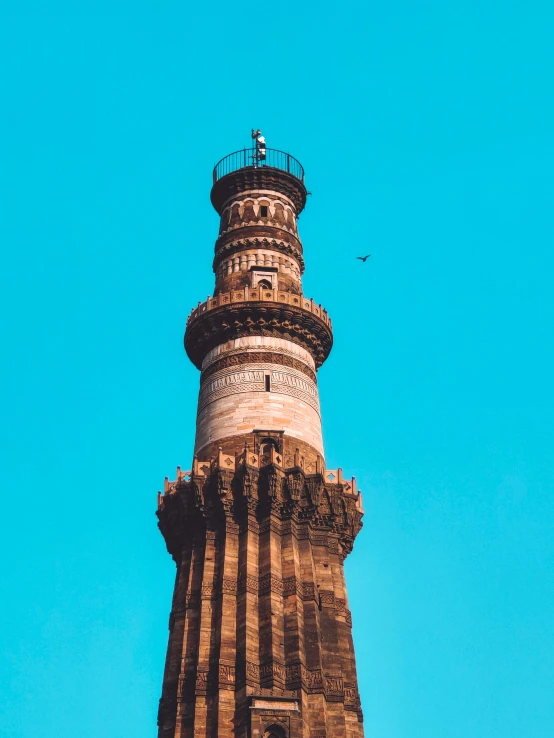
column 426, row 132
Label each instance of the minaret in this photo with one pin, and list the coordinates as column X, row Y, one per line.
column 260, row 634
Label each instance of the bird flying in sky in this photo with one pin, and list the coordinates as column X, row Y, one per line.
column 363, row 258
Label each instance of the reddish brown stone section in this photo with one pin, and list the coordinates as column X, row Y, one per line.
column 260, row 608
column 287, row 446
column 240, row 280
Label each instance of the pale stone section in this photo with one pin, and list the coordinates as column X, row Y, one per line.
column 245, row 411
column 259, row 343
column 234, row 400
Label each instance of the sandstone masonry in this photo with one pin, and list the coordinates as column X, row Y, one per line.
column 260, row 639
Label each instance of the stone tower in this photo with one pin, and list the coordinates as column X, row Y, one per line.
column 260, row 634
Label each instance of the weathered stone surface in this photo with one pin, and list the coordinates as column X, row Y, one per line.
column 259, row 549
column 252, row 390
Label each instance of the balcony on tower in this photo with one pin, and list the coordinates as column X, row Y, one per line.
column 246, row 158
column 244, row 169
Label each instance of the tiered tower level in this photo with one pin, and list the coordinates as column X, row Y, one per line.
column 260, row 641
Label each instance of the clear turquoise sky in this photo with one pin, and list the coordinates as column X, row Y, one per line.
column 426, row 131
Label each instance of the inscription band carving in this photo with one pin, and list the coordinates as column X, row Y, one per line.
column 257, row 357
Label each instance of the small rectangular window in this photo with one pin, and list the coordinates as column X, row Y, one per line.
column 264, row 211
column 267, row 383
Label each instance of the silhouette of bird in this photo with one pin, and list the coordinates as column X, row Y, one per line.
column 363, row 258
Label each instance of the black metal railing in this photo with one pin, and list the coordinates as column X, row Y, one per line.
column 249, row 158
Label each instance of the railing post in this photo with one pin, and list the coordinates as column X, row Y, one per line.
column 288, row 163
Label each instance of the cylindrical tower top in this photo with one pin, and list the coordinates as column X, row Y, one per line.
column 258, row 340
column 243, row 171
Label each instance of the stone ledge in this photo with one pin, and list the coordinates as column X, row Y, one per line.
column 254, row 312
column 255, row 294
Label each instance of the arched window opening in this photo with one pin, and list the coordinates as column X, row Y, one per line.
column 275, row 731
column 268, row 443
column 266, row 447
column 264, row 284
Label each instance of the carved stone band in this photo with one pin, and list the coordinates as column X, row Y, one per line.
column 257, row 357
column 252, row 379
column 255, row 344
column 257, row 179
column 225, row 250
column 257, row 318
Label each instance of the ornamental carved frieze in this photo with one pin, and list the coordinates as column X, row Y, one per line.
column 224, row 479
column 257, row 357
column 272, row 672
column 289, row 248
column 312, row 679
column 308, row 591
column 270, row 583
column 263, row 231
column 319, row 539
column 226, row 676
column 248, row 485
column 247, row 583
column 315, row 485
column 229, row 586
column 340, row 606
column 334, row 687
column 299, row 676
column 289, row 586
column 257, row 318
column 246, row 209
column 293, row 676
column 230, row 502
column 295, row 483
column 326, row 599
column 252, row 673
column 204, row 684
column 351, row 697
column 274, row 480
column 258, row 179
